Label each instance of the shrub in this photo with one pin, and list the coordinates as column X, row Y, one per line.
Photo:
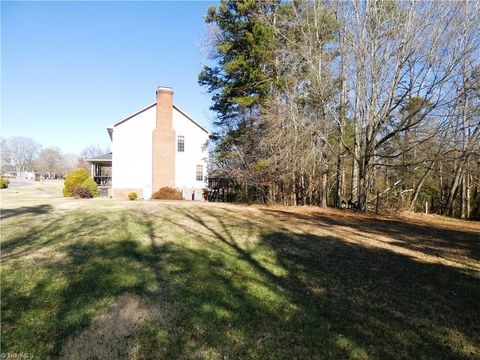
column 74, row 180
column 92, row 186
column 167, row 193
column 4, row 183
column 82, row 192
column 132, row 196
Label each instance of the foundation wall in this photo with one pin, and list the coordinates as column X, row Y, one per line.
column 122, row 193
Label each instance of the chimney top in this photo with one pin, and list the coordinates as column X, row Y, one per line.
column 165, row 89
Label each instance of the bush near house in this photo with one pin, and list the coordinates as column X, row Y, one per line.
column 79, row 184
column 74, row 180
column 167, row 193
column 132, row 196
column 92, row 186
column 82, row 193
column 4, row 183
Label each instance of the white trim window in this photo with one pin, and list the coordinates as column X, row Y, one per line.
column 199, row 173
column 180, row 143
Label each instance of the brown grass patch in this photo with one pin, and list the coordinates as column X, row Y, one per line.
column 112, row 335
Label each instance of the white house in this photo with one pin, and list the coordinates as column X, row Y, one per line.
column 157, row 146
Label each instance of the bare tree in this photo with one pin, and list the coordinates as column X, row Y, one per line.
column 89, row 152
column 50, row 162
column 401, row 51
column 6, row 161
column 20, row 152
column 389, row 88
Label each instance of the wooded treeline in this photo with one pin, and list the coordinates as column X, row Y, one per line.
column 324, row 102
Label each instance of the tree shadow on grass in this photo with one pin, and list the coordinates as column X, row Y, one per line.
column 379, row 303
column 430, row 239
column 31, row 210
column 216, row 294
column 335, row 299
column 27, row 242
column 74, row 281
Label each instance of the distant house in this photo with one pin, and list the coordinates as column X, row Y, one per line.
column 157, row 146
column 29, row 175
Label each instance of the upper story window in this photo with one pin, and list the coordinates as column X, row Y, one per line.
column 199, row 173
column 181, row 143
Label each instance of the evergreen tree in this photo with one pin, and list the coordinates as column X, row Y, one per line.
column 240, row 81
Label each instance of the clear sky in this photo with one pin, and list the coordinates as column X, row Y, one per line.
column 70, row 69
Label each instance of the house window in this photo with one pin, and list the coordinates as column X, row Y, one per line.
column 181, row 143
column 199, row 173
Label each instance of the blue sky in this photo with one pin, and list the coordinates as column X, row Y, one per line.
column 70, row 69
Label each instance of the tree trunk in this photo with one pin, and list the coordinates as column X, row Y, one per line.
column 338, row 182
column 453, row 189
column 418, row 188
column 324, row 186
column 469, row 198
column 355, row 165
column 463, row 200
column 364, row 180
column 341, row 121
column 294, row 191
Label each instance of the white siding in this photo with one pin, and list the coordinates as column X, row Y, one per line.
column 195, row 152
column 132, row 152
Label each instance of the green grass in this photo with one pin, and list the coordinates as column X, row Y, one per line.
column 231, row 282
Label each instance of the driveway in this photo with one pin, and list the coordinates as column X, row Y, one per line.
column 15, row 183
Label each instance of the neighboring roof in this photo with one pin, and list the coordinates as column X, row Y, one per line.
column 110, row 128
column 104, row 157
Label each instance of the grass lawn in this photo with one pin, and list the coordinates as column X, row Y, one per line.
column 86, row 279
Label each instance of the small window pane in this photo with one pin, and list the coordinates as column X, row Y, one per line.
column 199, row 173
column 181, row 143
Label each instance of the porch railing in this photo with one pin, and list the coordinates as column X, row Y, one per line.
column 102, row 180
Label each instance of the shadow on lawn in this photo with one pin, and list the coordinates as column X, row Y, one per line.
column 74, row 281
column 33, row 210
column 336, row 299
column 220, row 295
column 432, row 240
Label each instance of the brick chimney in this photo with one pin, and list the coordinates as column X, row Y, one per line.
column 163, row 141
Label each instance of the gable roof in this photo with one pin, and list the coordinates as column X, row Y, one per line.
column 191, row 119
column 110, row 128
column 104, row 157
column 132, row 115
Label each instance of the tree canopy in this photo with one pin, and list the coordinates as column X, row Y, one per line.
column 329, row 103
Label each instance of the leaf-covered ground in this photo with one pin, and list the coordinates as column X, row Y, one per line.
column 154, row 280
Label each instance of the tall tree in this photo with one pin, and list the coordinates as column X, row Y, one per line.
column 303, row 89
column 51, row 162
column 240, row 81
column 20, row 152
